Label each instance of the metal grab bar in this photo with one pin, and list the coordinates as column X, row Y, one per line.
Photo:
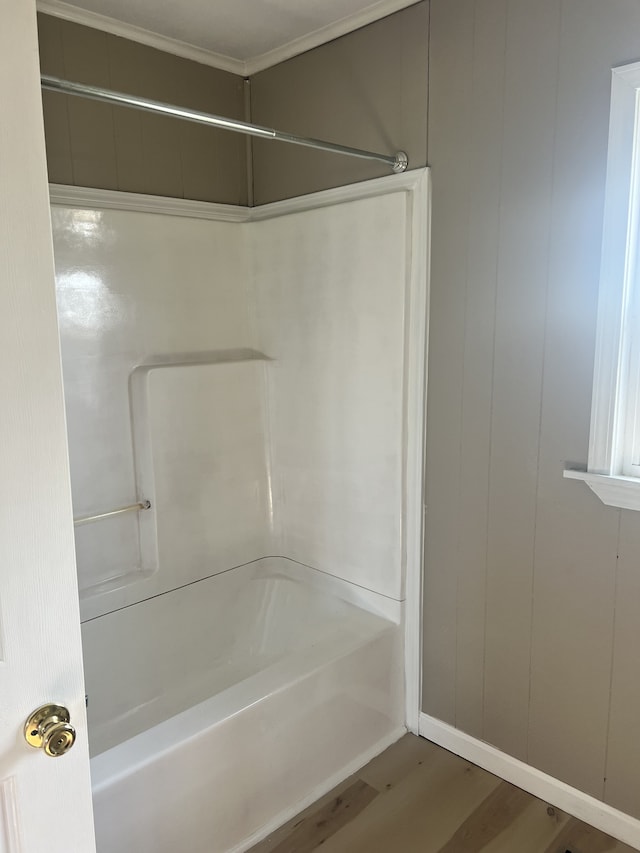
column 87, row 519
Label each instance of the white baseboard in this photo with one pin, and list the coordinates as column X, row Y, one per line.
column 586, row 808
column 318, row 792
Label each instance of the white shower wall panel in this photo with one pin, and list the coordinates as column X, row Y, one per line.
column 209, row 463
column 135, row 288
column 330, row 291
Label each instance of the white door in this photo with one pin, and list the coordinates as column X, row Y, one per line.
column 45, row 803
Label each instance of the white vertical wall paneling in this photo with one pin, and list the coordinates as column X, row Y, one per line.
column 523, row 246
column 449, row 103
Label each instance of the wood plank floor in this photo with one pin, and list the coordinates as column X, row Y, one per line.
column 419, row 798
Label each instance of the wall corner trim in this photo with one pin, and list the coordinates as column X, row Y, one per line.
column 323, row 35
column 234, row 65
column 86, row 18
column 582, row 806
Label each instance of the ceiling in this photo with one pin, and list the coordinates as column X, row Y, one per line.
column 243, row 36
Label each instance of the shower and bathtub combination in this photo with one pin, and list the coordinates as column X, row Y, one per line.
column 246, row 388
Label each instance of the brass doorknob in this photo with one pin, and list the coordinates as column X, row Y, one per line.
column 49, row 728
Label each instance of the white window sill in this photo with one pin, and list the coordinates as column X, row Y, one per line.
column 623, row 492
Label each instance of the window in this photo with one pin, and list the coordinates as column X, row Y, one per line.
column 613, row 469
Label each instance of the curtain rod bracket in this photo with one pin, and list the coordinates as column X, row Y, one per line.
column 402, row 162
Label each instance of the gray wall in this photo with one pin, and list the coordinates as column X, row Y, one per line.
column 367, row 89
column 96, row 145
column 532, row 587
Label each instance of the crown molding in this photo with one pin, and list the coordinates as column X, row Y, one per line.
column 366, row 16
column 241, row 67
column 68, row 12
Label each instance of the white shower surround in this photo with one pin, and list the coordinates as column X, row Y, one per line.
column 289, row 307
column 226, row 238
column 331, row 310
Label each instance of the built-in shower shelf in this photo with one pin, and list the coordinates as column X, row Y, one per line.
column 188, row 359
column 91, row 595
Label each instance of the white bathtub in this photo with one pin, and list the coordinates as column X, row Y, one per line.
column 219, row 710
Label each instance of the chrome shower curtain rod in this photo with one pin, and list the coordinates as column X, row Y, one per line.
column 398, row 162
